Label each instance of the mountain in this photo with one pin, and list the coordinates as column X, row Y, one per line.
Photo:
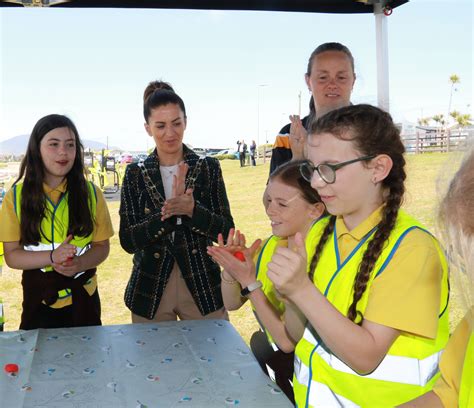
column 17, row 145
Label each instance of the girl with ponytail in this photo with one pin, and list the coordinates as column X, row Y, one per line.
column 376, row 296
column 292, row 206
column 330, row 77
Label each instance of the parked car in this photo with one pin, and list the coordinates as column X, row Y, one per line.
column 200, row 152
column 140, row 157
column 227, row 151
column 126, row 158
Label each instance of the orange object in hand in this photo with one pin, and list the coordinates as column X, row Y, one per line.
column 239, row 255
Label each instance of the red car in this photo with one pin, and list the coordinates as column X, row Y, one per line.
column 126, row 158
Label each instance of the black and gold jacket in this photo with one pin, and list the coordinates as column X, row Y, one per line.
column 150, row 240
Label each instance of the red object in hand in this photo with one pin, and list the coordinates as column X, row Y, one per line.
column 11, row 368
column 239, row 255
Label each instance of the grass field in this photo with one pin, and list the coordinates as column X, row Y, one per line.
column 245, row 188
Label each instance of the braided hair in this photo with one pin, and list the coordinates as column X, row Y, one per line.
column 373, row 132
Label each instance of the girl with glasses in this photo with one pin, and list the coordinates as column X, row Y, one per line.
column 292, row 207
column 376, row 296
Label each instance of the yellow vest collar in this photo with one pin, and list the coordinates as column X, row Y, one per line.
column 54, row 194
column 362, row 229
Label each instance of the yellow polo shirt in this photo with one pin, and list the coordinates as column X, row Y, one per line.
column 414, row 273
column 10, row 227
column 452, row 362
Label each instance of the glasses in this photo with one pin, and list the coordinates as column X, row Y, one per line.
column 327, row 171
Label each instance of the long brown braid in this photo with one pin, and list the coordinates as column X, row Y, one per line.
column 373, row 133
column 319, row 248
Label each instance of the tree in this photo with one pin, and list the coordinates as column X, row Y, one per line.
column 454, row 114
column 424, row 121
column 454, row 79
column 439, row 119
column 463, row 120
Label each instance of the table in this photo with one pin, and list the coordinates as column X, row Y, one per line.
column 200, row 363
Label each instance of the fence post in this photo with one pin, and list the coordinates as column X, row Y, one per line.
column 417, row 141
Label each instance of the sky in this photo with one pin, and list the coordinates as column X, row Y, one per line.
column 240, row 73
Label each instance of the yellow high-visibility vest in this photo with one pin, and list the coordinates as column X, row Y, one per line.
column 265, row 257
column 55, row 224
column 410, row 367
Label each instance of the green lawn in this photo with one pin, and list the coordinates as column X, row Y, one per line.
column 245, row 188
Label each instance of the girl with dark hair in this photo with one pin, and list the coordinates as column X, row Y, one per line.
column 377, row 294
column 173, row 206
column 292, row 207
column 330, row 77
column 56, row 227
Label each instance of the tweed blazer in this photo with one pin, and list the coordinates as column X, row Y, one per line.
column 151, row 242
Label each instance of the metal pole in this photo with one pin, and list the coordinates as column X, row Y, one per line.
column 381, row 36
column 258, row 115
column 258, row 112
column 299, row 104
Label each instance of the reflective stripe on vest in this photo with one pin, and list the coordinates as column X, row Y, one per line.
column 50, row 247
column 404, row 370
column 54, row 226
column 322, row 396
column 410, row 367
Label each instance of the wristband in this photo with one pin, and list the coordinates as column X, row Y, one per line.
column 250, row 288
column 51, row 256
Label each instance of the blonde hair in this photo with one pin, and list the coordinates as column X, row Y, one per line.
column 456, row 225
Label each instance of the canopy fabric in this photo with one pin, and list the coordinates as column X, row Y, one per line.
column 315, row 6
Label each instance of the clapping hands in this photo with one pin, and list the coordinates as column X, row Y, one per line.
column 182, row 200
column 64, row 258
column 287, row 269
column 298, row 137
column 223, row 254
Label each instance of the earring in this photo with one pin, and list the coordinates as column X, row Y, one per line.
column 374, row 180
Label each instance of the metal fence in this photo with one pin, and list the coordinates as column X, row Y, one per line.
column 437, row 140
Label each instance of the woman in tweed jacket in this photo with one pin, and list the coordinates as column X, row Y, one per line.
column 173, row 206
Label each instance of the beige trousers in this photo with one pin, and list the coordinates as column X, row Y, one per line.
column 177, row 301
